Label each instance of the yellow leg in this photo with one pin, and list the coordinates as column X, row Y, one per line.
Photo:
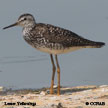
column 53, row 74
column 58, row 75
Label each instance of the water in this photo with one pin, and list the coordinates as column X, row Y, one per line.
column 21, row 66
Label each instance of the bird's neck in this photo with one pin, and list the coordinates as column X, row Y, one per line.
column 27, row 29
column 29, row 25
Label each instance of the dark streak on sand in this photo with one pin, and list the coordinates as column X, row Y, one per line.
column 38, row 91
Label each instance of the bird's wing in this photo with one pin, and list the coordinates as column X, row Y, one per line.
column 59, row 35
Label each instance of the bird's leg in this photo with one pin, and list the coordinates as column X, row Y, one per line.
column 58, row 75
column 53, row 74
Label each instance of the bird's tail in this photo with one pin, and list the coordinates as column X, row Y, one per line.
column 97, row 44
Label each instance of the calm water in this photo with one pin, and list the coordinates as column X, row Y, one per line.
column 21, row 66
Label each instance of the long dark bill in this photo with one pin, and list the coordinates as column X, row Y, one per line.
column 15, row 24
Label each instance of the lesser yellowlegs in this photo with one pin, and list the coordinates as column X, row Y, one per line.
column 53, row 40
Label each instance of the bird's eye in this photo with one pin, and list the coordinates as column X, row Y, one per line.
column 25, row 18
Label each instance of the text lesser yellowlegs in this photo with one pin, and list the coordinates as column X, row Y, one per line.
column 53, row 40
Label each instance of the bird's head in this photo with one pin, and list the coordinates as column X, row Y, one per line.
column 25, row 20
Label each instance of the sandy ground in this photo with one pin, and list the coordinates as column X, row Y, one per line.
column 71, row 97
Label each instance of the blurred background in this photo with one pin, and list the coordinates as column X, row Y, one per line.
column 21, row 66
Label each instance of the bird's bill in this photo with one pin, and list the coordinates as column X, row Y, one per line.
column 12, row 25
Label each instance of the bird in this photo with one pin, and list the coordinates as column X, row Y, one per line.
column 53, row 40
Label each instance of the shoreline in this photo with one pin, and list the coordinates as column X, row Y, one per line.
column 71, row 97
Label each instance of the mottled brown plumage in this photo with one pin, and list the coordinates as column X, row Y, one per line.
column 51, row 35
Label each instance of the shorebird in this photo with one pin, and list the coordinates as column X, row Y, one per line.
column 52, row 40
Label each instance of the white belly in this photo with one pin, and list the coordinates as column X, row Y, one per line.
column 62, row 51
